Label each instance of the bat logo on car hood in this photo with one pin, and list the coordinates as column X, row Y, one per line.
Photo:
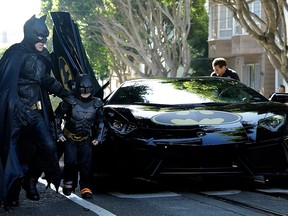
column 196, row 117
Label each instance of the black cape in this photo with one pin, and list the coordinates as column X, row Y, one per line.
column 69, row 57
column 10, row 64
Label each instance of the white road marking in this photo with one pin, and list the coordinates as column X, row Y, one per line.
column 88, row 205
column 273, row 190
column 221, row 193
column 148, row 195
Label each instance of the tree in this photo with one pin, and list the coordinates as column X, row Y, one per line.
column 197, row 39
column 116, row 51
column 2, row 50
column 81, row 12
column 271, row 34
column 152, row 33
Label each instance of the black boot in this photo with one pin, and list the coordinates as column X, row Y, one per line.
column 67, row 188
column 29, row 185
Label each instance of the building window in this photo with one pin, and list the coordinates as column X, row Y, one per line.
column 251, row 76
column 254, row 7
column 237, row 28
column 212, row 32
column 225, row 22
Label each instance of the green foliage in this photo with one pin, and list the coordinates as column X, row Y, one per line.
column 82, row 13
column 2, row 50
column 55, row 101
column 198, row 37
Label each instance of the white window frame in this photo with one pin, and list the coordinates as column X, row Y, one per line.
column 212, row 27
column 225, row 22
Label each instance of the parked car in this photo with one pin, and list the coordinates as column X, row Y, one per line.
column 279, row 97
column 194, row 126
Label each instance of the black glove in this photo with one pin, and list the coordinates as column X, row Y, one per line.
column 102, row 133
column 70, row 99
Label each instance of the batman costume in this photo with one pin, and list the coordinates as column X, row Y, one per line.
column 27, row 146
column 84, row 126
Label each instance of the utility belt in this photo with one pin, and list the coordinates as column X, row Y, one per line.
column 74, row 137
column 37, row 106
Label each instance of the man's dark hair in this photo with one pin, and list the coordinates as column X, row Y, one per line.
column 219, row 62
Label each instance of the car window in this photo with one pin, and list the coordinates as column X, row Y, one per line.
column 184, row 92
column 235, row 94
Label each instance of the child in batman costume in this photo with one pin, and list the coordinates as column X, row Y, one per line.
column 84, row 127
column 27, row 146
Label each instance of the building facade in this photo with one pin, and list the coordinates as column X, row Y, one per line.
column 227, row 39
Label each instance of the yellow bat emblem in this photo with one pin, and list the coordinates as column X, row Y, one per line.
column 65, row 72
column 196, row 117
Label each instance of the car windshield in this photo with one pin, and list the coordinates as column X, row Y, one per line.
column 177, row 91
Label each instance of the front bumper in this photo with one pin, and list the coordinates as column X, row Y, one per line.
column 156, row 157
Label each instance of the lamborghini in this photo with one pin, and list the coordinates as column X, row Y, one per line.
column 192, row 127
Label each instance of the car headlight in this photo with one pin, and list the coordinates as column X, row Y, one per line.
column 122, row 128
column 272, row 123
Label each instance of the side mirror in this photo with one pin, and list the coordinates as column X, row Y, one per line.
column 279, row 97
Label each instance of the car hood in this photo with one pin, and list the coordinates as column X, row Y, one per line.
column 210, row 123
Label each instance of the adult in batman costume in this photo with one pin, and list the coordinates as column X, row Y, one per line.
column 27, row 146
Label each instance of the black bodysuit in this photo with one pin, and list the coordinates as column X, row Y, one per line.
column 83, row 123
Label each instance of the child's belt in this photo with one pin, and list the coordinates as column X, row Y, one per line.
column 75, row 137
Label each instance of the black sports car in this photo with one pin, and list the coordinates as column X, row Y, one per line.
column 196, row 126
